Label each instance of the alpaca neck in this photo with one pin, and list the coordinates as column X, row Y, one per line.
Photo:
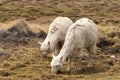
column 65, row 52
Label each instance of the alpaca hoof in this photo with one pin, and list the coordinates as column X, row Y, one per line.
column 78, row 69
column 69, row 69
column 90, row 66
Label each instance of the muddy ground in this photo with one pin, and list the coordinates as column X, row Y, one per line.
column 20, row 56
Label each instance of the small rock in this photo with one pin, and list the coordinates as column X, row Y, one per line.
column 113, row 56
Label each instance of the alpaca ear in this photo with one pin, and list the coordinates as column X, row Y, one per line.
column 49, row 43
column 61, row 58
column 53, row 55
column 40, row 43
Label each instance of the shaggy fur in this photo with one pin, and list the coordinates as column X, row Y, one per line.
column 56, row 35
column 82, row 34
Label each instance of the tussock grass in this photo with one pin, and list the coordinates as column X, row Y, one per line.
column 6, row 26
column 110, row 34
column 19, row 29
column 102, row 12
column 37, row 27
column 27, row 62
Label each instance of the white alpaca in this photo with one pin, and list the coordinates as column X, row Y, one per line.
column 56, row 35
column 82, row 34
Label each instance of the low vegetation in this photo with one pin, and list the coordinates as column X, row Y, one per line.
column 21, row 58
column 102, row 12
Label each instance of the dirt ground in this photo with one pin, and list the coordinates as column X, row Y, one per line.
column 26, row 62
column 21, row 58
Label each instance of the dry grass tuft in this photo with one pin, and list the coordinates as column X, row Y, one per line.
column 37, row 27
column 19, row 29
column 5, row 72
column 109, row 37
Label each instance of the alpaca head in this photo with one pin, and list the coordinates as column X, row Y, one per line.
column 56, row 64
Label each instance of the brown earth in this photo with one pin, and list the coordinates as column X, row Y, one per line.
column 20, row 56
column 105, row 12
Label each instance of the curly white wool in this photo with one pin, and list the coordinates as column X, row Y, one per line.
column 56, row 35
column 82, row 34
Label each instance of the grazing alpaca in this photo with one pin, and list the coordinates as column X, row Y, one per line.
column 82, row 34
column 56, row 35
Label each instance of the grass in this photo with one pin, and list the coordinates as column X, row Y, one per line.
column 111, row 33
column 26, row 61
column 36, row 27
column 102, row 12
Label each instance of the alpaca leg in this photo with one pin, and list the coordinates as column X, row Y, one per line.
column 79, row 59
column 91, row 50
column 69, row 63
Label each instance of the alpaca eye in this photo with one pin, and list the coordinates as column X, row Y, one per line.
column 58, row 66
